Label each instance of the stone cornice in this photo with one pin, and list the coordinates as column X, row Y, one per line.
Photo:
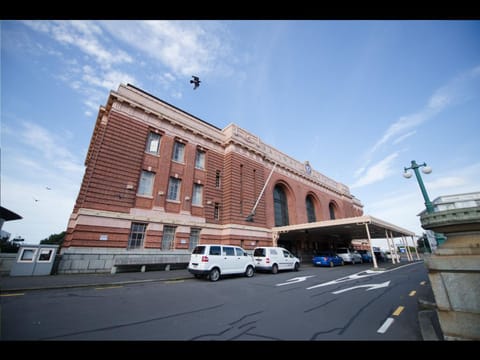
column 454, row 220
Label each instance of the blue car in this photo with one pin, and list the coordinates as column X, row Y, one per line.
column 366, row 255
column 327, row 258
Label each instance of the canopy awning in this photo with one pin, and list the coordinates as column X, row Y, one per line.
column 347, row 228
column 8, row 215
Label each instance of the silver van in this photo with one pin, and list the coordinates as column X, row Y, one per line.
column 214, row 260
column 273, row 259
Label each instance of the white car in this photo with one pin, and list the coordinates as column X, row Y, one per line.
column 272, row 259
column 214, row 260
column 350, row 256
column 389, row 256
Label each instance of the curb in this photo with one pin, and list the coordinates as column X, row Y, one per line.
column 425, row 319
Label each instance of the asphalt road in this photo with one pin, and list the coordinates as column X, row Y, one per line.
column 349, row 302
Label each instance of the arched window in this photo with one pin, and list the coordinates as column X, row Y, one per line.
column 331, row 208
column 280, row 205
column 310, row 209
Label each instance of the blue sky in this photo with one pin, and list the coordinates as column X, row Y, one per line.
column 358, row 99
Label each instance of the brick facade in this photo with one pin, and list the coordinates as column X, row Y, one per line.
column 236, row 167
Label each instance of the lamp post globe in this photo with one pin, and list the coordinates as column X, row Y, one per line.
column 427, row 170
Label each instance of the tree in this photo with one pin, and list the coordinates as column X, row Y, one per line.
column 56, row 239
column 7, row 246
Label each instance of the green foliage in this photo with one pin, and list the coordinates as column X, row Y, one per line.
column 56, row 239
column 8, row 246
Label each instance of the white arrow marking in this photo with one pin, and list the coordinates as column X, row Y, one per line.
column 356, row 276
column 296, row 280
column 371, row 286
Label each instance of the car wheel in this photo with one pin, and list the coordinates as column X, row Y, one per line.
column 342, row 263
column 296, row 267
column 274, row 268
column 249, row 272
column 331, row 263
column 214, row 274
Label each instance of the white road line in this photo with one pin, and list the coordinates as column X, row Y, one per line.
column 385, row 325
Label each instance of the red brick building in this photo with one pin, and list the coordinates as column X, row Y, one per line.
column 159, row 180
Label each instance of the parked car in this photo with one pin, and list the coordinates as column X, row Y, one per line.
column 366, row 255
column 214, row 260
column 327, row 258
column 273, row 259
column 350, row 256
column 389, row 255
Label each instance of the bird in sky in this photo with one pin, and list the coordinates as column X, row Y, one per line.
column 196, row 81
column 35, row 199
column 48, row 188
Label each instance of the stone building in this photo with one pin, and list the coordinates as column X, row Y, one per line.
column 159, row 180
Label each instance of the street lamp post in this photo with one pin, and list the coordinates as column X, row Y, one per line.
column 426, row 170
column 428, row 204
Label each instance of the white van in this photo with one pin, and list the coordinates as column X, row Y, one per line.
column 214, row 260
column 274, row 259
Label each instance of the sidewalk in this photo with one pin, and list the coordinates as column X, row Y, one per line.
column 28, row 283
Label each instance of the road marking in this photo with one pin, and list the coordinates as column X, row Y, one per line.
column 356, row 276
column 107, row 287
column 371, row 286
column 295, row 280
column 412, row 293
column 382, row 329
column 174, row 281
column 398, row 311
column 423, row 283
column 17, row 294
column 360, row 275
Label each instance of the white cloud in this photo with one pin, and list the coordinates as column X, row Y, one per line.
column 456, row 90
column 109, row 80
column 377, row 172
column 186, row 48
column 86, row 36
column 50, row 147
column 403, row 137
column 456, row 181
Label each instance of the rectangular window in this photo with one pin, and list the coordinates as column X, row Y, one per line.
column 168, row 237
column 45, row 255
column 174, row 189
column 217, row 179
column 200, row 159
column 137, row 235
column 194, row 237
column 228, row 251
column 178, row 150
column 153, row 143
column 146, row 183
column 197, row 196
column 216, row 211
column 28, row 255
